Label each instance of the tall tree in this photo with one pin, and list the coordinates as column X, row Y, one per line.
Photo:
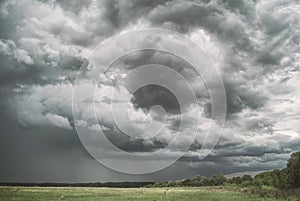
column 293, row 169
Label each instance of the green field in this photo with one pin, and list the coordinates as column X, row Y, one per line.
column 119, row 194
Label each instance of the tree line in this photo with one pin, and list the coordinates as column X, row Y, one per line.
column 125, row 184
column 288, row 177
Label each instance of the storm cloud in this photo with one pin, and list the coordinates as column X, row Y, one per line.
column 44, row 43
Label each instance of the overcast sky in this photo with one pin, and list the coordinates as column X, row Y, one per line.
column 43, row 44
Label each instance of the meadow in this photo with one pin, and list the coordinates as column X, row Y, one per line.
column 126, row 194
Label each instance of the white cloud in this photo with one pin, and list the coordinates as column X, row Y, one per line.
column 8, row 47
column 43, row 105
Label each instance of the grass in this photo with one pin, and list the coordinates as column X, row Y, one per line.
column 121, row 194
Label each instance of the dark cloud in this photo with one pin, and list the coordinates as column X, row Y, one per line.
column 150, row 95
column 127, row 143
column 241, row 96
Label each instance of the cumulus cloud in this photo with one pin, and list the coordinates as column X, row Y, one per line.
column 8, row 48
column 34, row 107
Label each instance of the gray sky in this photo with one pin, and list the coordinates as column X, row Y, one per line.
column 254, row 44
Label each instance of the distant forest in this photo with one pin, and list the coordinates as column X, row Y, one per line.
column 97, row 184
